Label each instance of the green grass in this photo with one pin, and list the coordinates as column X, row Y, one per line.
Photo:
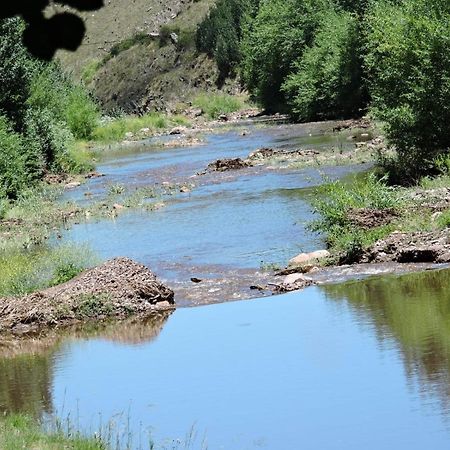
column 29, row 270
column 21, row 432
column 90, row 69
column 213, row 105
column 116, row 129
column 78, row 159
column 336, row 199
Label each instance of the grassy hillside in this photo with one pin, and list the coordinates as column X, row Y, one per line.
column 116, row 21
column 131, row 61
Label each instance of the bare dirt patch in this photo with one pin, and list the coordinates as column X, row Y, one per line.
column 418, row 247
column 223, row 165
column 367, row 218
column 118, row 288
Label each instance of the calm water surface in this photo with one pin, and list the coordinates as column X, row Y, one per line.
column 356, row 365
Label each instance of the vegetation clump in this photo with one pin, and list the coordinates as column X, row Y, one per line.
column 20, row 431
column 337, row 201
column 42, row 113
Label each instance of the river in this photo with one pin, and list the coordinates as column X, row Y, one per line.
column 361, row 364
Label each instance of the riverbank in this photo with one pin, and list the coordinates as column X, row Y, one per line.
column 19, row 431
column 122, row 199
column 373, row 228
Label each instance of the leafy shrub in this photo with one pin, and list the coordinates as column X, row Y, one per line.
column 14, row 175
column 81, row 113
column 327, row 81
column 408, row 65
column 273, row 42
column 65, row 272
column 52, row 90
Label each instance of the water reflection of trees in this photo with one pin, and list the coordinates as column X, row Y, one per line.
column 27, row 365
column 415, row 311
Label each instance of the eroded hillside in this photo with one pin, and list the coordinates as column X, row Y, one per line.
column 140, row 55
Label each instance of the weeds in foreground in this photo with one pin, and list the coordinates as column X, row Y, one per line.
column 22, row 432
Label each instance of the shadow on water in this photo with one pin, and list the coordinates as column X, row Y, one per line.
column 27, row 365
column 415, row 311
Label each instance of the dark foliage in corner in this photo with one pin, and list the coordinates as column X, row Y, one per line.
column 43, row 36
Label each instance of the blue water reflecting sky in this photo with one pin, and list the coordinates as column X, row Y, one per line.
column 291, row 372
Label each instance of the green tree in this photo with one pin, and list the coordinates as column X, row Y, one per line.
column 219, row 35
column 327, row 81
column 273, row 42
column 408, row 65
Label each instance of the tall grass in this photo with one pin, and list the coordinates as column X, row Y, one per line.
column 334, row 202
column 21, row 432
column 213, row 105
column 116, row 129
column 26, row 271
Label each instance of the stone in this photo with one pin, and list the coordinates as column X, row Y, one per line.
column 177, row 130
column 304, row 258
column 293, row 278
column 72, row 185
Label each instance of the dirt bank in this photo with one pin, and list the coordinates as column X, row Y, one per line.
column 420, row 247
column 116, row 289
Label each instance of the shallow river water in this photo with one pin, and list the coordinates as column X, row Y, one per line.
column 356, row 365
column 229, row 226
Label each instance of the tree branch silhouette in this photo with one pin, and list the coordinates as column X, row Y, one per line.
column 43, row 36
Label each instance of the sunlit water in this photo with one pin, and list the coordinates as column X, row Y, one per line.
column 357, row 365
column 235, row 221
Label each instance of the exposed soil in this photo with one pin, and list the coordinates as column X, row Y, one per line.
column 366, row 218
column 118, row 288
column 419, row 247
column 268, row 153
column 223, row 165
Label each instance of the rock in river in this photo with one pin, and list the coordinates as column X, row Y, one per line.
column 305, row 258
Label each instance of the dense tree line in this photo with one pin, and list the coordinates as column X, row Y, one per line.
column 41, row 113
column 324, row 59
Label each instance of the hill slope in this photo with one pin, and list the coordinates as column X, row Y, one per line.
column 139, row 55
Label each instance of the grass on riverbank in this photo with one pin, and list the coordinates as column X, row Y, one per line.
column 18, row 431
column 21, row 432
column 354, row 215
column 26, row 271
column 335, row 201
column 115, row 130
column 214, row 105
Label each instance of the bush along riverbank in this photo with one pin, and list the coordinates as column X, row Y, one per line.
column 368, row 220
